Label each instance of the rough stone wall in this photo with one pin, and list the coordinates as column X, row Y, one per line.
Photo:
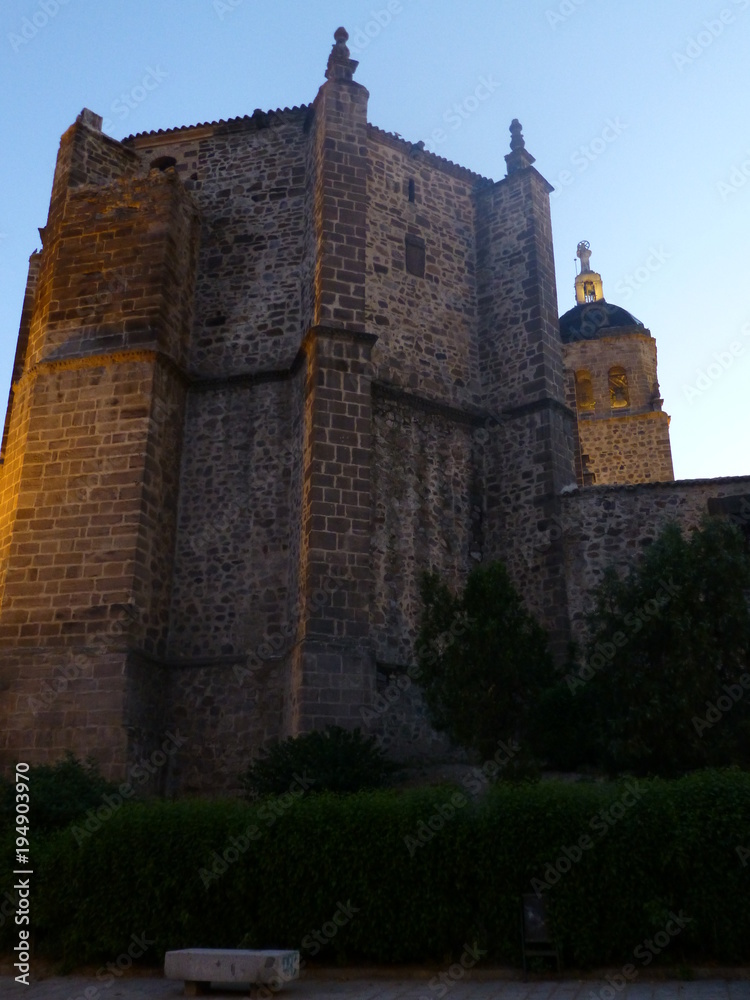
column 116, row 276
column 71, row 556
column 610, row 525
column 117, row 272
column 250, row 179
column 19, row 360
column 17, row 425
column 157, row 526
column 227, row 710
column 398, row 719
column 426, row 326
column 83, row 562
column 527, row 455
column 86, row 156
column 232, row 562
column 146, row 722
column 56, row 699
column 516, row 458
column 520, row 353
column 333, row 670
column 340, row 205
column 427, row 515
column 626, row 449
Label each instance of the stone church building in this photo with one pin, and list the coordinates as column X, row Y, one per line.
column 268, row 371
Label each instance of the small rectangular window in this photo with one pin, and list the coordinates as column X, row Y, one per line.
column 415, row 256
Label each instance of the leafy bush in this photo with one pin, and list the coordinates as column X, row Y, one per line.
column 560, row 730
column 667, row 673
column 60, row 793
column 482, row 660
column 332, row 760
column 417, row 874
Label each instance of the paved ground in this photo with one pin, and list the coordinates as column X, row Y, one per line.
column 80, row 988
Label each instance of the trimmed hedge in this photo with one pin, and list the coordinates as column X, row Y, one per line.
column 408, row 892
column 329, row 760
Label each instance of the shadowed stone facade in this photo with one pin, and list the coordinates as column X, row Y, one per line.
column 269, row 370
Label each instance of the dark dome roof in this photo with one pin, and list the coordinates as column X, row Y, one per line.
column 593, row 320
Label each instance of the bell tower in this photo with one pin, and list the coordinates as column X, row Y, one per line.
column 612, row 384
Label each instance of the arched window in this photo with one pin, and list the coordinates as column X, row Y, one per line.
column 584, row 391
column 589, row 291
column 619, row 394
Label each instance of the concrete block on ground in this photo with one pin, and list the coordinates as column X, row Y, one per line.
column 199, row 967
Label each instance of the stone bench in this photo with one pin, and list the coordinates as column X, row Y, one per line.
column 199, row 967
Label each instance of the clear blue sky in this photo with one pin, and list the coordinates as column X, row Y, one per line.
column 637, row 112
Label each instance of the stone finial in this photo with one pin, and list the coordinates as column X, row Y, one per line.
column 340, row 66
column 91, row 119
column 517, row 140
column 519, row 157
column 583, row 253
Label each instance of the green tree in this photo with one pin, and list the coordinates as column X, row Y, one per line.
column 669, row 650
column 482, row 660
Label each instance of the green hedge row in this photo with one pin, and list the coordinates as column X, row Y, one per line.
column 396, row 877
